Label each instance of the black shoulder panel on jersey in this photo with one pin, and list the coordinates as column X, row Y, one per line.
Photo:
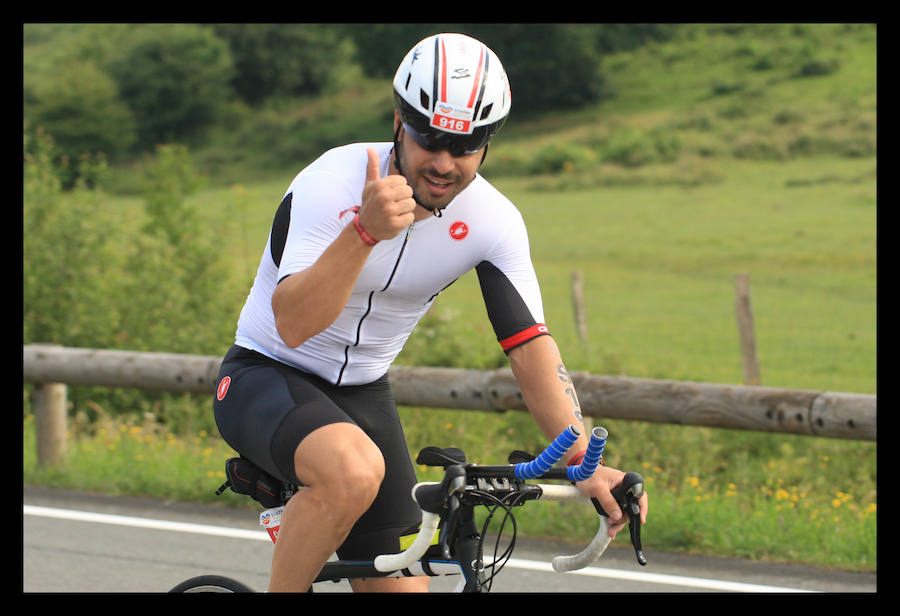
column 280, row 229
column 505, row 307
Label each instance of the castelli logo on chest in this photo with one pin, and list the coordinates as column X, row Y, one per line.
column 459, row 230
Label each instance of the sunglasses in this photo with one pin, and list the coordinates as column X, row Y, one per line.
column 456, row 145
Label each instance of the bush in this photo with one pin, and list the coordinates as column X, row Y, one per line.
column 443, row 339
column 78, row 104
column 724, row 88
column 816, row 67
column 562, row 157
column 69, row 261
column 634, row 148
column 787, row 116
column 505, row 161
column 759, row 149
column 810, row 61
column 93, row 279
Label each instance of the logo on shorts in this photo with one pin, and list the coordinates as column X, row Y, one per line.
column 223, row 388
column 459, row 230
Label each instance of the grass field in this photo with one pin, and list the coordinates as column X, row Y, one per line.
column 720, row 155
column 658, row 264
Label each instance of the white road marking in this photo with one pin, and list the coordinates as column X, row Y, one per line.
column 261, row 535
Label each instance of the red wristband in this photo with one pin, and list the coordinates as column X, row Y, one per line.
column 368, row 239
column 577, row 458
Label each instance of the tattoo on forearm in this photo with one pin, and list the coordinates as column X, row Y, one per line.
column 570, row 390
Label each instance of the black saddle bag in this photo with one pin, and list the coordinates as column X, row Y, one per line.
column 244, row 477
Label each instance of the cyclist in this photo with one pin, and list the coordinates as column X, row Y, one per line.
column 364, row 240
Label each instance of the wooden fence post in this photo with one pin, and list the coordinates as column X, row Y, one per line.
column 49, row 401
column 745, row 329
column 581, row 327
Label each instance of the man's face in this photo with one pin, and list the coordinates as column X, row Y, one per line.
column 435, row 177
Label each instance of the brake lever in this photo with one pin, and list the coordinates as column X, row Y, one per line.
column 445, row 538
column 627, row 494
column 634, row 527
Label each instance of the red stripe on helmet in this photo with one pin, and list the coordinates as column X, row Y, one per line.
column 477, row 81
column 443, row 72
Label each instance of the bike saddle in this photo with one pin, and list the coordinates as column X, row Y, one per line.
column 435, row 456
column 517, row 456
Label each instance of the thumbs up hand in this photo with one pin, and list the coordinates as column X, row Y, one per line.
column 387, row 203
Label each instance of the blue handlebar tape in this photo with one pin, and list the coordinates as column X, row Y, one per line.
column 549, row 457
column 591, row 457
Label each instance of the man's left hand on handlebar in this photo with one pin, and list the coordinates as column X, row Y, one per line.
column 599, row 486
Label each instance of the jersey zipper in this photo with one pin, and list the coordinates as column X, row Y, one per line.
column 409, row 231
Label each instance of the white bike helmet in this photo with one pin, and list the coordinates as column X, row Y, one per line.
column 451, row 93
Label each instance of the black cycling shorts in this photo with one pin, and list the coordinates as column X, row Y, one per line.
column 269, row 407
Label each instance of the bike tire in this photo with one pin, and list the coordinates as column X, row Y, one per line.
column 211, row 583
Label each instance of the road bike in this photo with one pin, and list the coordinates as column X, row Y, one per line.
column 450, row 540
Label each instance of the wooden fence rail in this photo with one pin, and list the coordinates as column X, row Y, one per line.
column 814, row 413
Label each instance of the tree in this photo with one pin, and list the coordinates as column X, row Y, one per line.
column 284, row 60
column 550, row 66
column 175, row 78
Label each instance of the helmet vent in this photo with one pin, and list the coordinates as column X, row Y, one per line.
column 486, row 111
column 406, row 85
column 424, row 99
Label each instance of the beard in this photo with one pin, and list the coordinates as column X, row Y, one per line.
column 435, row 191
column 432, row 190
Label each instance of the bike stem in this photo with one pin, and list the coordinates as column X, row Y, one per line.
column 468, row 548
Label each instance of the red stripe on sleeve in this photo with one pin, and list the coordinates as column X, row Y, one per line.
column 524, row 336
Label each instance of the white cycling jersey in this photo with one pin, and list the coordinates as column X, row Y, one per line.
column 402, row 276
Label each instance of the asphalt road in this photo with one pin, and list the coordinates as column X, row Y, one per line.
column 84, row 543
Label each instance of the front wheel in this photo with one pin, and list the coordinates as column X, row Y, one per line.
column 211, row 583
